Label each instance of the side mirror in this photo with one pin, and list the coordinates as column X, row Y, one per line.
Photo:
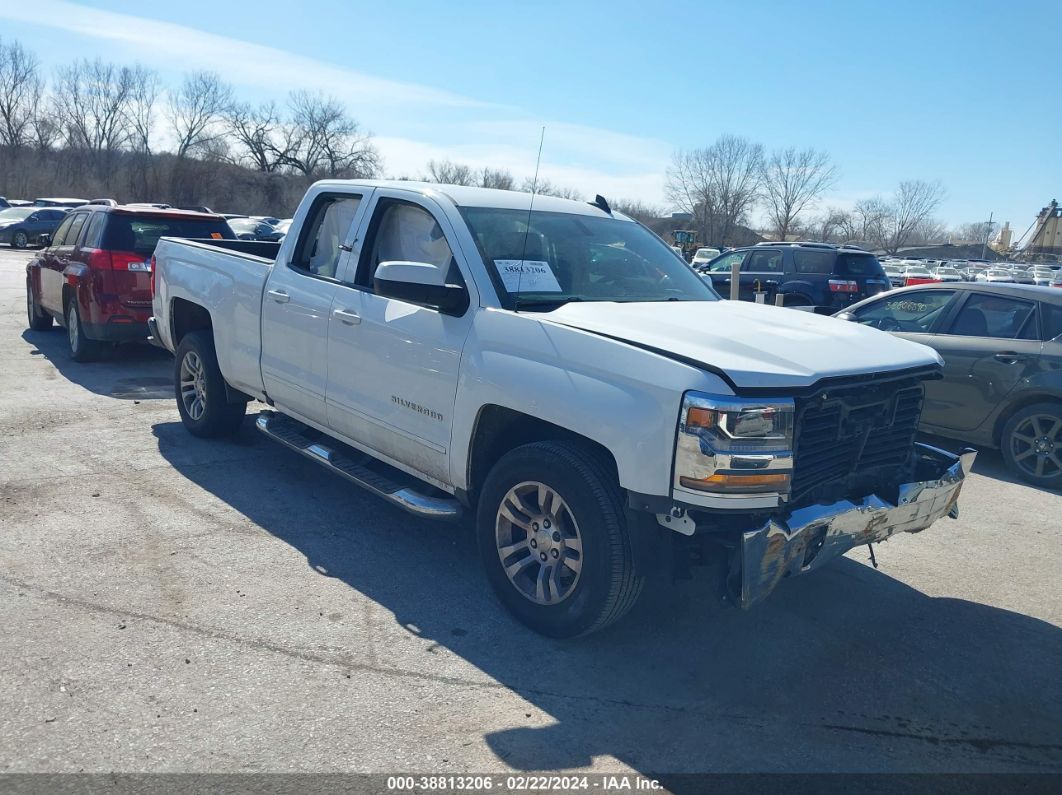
column 420, row 283
column 846, row 316
column 44, row 240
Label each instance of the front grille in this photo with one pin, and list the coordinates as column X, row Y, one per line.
column 853, row 438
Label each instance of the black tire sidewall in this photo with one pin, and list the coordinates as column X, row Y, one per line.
column 38, row 320
column 1050, row 409
column 219, row 416
column 600, row 521
column 16, row 237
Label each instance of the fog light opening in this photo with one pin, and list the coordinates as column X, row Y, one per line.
column 815, row 544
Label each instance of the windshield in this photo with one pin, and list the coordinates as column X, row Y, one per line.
column 565, row 257
column 16, row 213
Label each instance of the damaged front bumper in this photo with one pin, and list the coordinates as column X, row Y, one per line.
column 809, row 537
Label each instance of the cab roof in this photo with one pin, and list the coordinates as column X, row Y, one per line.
column 469, row 196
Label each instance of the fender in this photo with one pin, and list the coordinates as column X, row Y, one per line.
column 624, row 398
column 799, row 287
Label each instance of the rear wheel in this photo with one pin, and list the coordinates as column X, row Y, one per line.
column 1032, row 444
column 38, row 319
column 201, row 396
column 554, row 540
column 82, row 349
column 795, row 300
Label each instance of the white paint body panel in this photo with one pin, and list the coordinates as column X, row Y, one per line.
column 587, row 367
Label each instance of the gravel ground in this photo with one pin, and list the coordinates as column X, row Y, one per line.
column 172, row 604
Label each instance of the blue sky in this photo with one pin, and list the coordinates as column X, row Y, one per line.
column 955, row 90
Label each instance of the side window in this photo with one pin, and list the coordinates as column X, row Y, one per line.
column 727, row 262
column 74, row 231
column 995, row 316
column 914, row 312
column 767, row 261
column 1052, row 320
column 406, row 232
column 327, row 226
column 60, row 233
column 810, row 261
column 94, row 231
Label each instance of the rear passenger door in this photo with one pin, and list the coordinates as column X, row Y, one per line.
column 51, row 284
column 989, row 344
column 61, row 257
column 298, row 301
column 761, row 272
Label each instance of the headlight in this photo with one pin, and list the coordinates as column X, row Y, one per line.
column 729, row 445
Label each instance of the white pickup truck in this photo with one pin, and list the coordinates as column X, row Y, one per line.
column 555, row 368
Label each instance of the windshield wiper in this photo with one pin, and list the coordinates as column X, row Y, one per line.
column 544, row 303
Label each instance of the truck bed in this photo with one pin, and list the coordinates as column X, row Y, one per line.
column 227, row 278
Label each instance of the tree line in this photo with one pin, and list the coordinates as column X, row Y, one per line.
column 96, row 128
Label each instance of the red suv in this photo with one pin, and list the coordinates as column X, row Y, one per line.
column 94, row 276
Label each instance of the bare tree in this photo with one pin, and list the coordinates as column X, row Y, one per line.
column 92, row 100
column 793, row 179
column 830, row 226
column 717, row 184
column 140, row 110
column 21, row 87
column 979, row 232
column 547, row 188
column 912, row 206
column 497, row 178
column 648, row 214
column 196, row 111
column 447, row 172
column 255, row 131
column 323, row 140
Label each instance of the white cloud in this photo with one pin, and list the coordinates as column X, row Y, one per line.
column 413, row 123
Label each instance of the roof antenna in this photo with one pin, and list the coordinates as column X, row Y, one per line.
column 527, row 226
column 601, row 204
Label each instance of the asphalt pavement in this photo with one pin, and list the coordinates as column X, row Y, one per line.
column 174, row 604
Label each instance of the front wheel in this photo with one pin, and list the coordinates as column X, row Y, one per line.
column 1032, row 444
column 553, row 538
column 201, row 399
column 19, row 240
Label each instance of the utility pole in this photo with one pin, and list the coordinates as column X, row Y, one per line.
column 988, row 231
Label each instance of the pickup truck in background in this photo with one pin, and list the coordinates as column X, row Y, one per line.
column 552, row 367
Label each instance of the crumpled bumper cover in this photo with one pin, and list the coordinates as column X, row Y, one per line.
column 809, row 537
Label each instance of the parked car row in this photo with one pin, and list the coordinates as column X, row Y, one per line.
column 968, row 270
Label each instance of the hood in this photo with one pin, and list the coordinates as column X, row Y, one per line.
column 752, row 345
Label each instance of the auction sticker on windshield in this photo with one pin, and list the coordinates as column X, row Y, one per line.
column 527, row 276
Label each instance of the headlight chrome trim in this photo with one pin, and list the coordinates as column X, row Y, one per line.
column 720, row 462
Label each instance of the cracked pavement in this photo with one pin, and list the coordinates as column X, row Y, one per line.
column 172, row 604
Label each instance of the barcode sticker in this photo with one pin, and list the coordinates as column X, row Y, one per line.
column 527, row 276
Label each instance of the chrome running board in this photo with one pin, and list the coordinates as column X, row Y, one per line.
column 355, row 467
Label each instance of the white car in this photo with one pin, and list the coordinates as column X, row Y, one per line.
column 996, row 275
column 559, row 374
column 704, row 255
column 946, row 274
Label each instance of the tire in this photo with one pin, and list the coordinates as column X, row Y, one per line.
column 792, row 300
column 37, row 319
column 82, row 349
column 1031, row 443
column 19, row 240
column 584, row 523
column 200, row 389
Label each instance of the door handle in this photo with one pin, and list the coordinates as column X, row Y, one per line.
column 1010, row 357
column 346, row 316
column 279, row 296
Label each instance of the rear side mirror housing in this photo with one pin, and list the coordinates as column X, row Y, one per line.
column 44, row 240
column 846, row 316
column 420, row 283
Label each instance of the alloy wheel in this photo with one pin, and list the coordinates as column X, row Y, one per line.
column 73, row 329
column 193, row 385
column 1036, row 446
column 538, row 543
